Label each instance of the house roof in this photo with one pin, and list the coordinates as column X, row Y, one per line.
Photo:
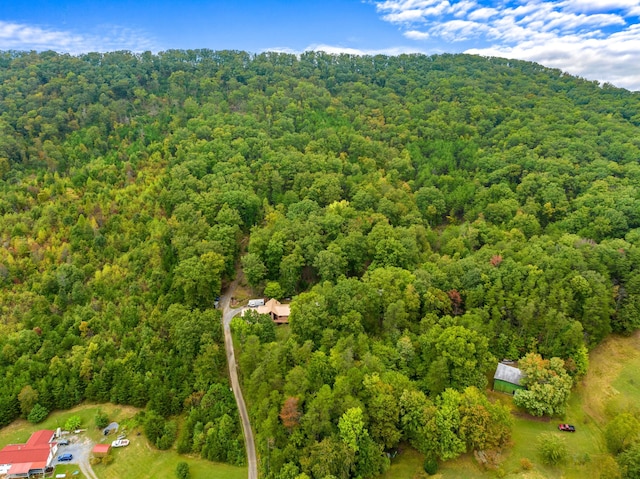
column 508, row 373
column 273, row 306
column 25, row 467
column 34, row 454
column 44, row 436
column 19, row 456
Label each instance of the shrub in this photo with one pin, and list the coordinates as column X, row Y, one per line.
column 609, row 468
column 622, row 432
column 153, row 426
column 185, row 441
column 526, row 464
column 101, row 419
column 182, row 470
column 38, row 414
column 72, row 423
column 430, row 464
column 582, row 459
column 108, row 459
column 168, row 437
column 629, row 462
column 552, row 448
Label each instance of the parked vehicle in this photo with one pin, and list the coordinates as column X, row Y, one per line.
column 566, row 427
column 254, row 303
column 65, row 457
column 120, row 443
column 63, row 442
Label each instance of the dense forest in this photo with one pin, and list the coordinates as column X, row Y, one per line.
column 429, row 215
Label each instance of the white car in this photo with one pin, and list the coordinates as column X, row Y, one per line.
column 120, row 443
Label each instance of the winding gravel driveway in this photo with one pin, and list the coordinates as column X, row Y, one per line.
column 85, row 465
column 227, row 316
column 80, row 447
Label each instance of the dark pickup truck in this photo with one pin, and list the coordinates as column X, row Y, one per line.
column 566, row 427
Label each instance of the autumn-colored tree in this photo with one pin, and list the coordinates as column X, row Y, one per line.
column 496, row 260
column 456, row 301
column 548, row 385
column 290, row 413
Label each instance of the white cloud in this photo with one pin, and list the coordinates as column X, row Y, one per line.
column 459, row 30
column 461, row 8
column 16, row 36
column 281, row 50
column 417, row 35
column 337, row 49
column 404, row 14
column 483, row 14
column 589, row 6
column 401, row 5
column 614, row 59
column 595, row 39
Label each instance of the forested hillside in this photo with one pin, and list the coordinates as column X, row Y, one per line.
column 428, row 214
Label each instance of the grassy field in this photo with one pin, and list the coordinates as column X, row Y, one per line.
column 407, row 464
column 71, row 470
column 139, row 460
column 611, row 386
column 20, row 430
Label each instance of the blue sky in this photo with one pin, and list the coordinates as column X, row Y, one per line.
column 595, row 39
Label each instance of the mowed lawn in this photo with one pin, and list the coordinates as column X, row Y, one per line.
column 611, row 386
column 139, row 460
column 20, row 430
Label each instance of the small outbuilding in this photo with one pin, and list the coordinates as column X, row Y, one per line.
column 507, row 379
column 101, row 450
column 113, row 427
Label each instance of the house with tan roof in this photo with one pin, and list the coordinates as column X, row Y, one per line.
column 279, row 312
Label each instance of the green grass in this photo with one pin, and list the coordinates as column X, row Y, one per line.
column 583, row 445
column 20, row 430
column 628, row 382
column 626, row 390
column 409, row 465
column 405, row 465
column 139, row 460
column 69, row 469
column 465, row 467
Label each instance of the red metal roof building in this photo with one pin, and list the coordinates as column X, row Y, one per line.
column 33, row 457
column 101, row 449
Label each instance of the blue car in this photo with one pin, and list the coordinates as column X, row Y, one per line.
column 65, row 457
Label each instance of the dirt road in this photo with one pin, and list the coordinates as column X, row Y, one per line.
column 227, row 315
